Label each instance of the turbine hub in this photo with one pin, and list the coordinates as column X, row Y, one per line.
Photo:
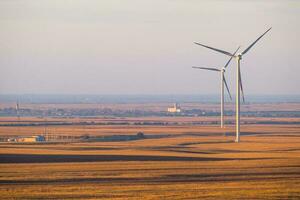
column 239, row 56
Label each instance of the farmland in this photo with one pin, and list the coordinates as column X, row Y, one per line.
column 185, row 160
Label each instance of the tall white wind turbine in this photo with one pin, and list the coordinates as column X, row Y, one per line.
column 223, row 82
column 239, row 86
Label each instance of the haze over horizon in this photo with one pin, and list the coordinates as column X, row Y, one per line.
column 146, row 47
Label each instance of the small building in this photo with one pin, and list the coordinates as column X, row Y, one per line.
column 12, row 140
column 175, row 109
column 37, row 138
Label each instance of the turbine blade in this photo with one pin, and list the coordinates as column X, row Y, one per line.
column 246, row 50
column 207, row 68
column 241, row 85
column 227, row 87
column 215, row 49
column 232, row 57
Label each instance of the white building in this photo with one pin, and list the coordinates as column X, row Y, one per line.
column 175, row 109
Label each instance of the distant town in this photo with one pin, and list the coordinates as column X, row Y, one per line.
column 175, row 110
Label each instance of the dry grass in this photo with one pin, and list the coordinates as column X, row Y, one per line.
column 265, row 165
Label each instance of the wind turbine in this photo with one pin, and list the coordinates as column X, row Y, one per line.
column 18, row 110
column 239, row 86
column 223, row 82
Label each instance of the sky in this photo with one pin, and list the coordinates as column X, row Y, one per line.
column 146, row 47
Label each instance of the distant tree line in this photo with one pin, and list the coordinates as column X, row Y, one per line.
column 135, row 113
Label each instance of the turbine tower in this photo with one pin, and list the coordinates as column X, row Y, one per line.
column 18, row 110
column 239, row 86
column 223, row 82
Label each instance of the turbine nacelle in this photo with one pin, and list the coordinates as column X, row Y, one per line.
column 239, row 56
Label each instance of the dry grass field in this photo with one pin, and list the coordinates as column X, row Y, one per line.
column 193, row 162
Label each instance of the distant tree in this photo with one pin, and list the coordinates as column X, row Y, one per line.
column 85, row 137
column 140, row 135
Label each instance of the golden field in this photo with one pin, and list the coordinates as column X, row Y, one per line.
column 191, row 162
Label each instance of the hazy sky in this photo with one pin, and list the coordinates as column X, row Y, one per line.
column 146, row 47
